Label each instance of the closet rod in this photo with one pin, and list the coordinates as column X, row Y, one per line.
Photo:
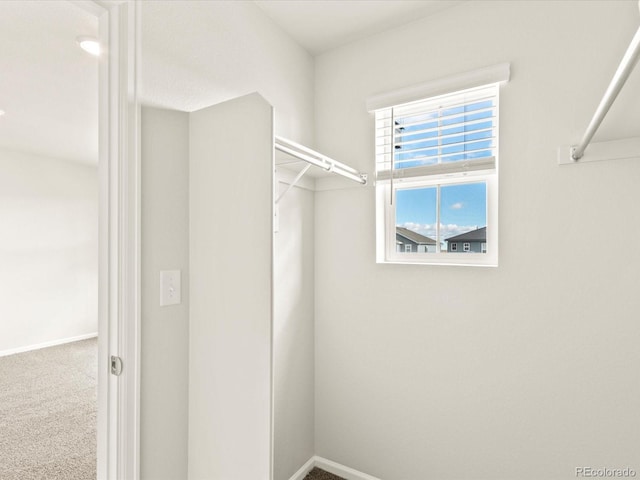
column 319, row 160
column 617, row 82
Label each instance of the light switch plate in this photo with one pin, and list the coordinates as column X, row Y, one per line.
column 169, row 287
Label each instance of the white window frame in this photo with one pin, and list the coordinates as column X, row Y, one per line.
column 407, row 248
column 385, row 212
column 466, row 247
column 454, row 247
column 386, row 223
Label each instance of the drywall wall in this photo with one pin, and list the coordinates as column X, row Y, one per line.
column 293, row 328
column 525, row 371
column 230, row 247
column 197, row 54
column 48, row 250
column 165, row 330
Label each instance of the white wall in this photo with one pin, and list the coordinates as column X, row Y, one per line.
column 196, row 54
column 230, row 246
column 294, row 327
column 165, row 330
column 527, row 370
column 48, row 250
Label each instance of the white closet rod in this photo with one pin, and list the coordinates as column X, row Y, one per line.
column 617, row 82
column 319, row 160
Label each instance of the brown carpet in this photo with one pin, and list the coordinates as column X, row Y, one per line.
column 317, row 474
column 48, row 413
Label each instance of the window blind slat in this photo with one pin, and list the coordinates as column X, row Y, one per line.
column 483, row 164
column 439, row 135
column 418, row 108
column 387, row 131
column 442, row 150
column 455, row 118
column 447, row 158
column 448, row 136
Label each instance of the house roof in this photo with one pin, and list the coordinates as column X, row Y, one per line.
column 414, row 236
column 478, row 235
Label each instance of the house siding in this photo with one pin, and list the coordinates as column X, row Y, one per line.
column 475, row 247
column 414, row 245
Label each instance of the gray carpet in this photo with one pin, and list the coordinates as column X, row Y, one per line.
column 318, row 474
column 48, row 413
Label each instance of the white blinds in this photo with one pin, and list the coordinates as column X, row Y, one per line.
column 446, row 134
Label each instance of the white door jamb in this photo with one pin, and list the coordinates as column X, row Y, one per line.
column 119, row 237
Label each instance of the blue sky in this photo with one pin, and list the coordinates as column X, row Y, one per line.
column 463, row 208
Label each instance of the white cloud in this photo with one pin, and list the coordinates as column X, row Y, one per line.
column 457, row 206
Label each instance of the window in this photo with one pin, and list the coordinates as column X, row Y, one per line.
column 437, row 178
column 407, row 248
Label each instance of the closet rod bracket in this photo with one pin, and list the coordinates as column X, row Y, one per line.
column 293, row 183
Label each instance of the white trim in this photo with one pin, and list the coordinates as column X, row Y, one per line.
column 304, row 469
column 330, row 466
column 51, row 343
column 341, row 470
column 119, row 318
column 611, row 150
column 386, row 221
column 118, row 442
column 484, row 76
column 125, row 171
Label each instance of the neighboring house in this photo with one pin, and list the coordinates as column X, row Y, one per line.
column 473, row 241
column 411, row 242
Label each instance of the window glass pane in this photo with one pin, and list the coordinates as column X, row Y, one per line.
column 463, row 217
column 416, row 220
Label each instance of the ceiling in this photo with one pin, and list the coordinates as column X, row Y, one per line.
column 321, row 25
column 48, row 85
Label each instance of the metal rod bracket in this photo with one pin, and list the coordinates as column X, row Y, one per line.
column 293, row 184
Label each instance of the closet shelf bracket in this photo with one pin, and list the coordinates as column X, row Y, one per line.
column 293, row 183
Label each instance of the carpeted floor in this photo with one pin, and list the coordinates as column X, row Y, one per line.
column 317, row 474
column 48, row 413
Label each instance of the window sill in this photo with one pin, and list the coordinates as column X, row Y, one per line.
column 472, row 260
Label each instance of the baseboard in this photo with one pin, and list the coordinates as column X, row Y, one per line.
column 53, row 343
column 331, row 467
column 304, row 469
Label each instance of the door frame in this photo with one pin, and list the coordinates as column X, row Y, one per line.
column 118, row 429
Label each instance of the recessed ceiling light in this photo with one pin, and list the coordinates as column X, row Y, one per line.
column 89, row 45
